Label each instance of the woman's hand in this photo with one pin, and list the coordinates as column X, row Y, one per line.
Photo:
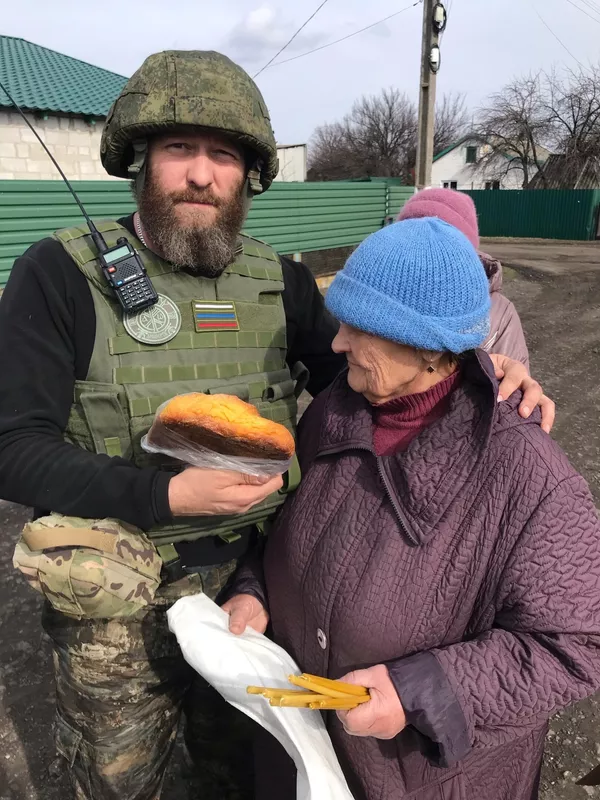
column 383, row 716
column 513, row 375
column 245, row 610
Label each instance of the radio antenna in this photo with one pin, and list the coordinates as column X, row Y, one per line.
column 96, row 235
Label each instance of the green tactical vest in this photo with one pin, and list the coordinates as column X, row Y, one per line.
column 127, row 381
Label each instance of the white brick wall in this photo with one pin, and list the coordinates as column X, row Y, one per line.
column 73, row 142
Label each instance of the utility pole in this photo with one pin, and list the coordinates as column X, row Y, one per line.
column 434, row 22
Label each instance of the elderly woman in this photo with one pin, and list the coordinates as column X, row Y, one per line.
column 440, row 550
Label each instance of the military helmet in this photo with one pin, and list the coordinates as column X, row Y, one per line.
column 176, row 88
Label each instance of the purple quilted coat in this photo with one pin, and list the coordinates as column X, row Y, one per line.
column 469, row 564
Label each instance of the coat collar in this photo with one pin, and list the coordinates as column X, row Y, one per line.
column 423, row 480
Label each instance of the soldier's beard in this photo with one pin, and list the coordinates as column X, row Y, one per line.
column 204, row 249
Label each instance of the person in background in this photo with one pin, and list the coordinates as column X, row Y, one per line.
column 441, row 550
column 506, row 332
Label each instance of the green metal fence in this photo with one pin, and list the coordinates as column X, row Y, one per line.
column 30, row 210
column 397, row 197
column 303, row 217
column 297, row 217
column 540, row 214
column 293, row 217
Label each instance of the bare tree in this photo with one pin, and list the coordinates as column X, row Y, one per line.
column 372, row 140
column 379, row 137
column 383, row 128
column 452, row 121
column 573, row 106
column 516, row 128
column 512, row 128
column 557, row 111
column 331, row 157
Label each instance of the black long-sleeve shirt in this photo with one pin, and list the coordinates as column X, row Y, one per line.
column 47, row 332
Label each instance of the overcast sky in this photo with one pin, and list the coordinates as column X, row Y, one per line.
column 486, row 43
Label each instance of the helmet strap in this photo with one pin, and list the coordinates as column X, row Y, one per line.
column 249, row 193
column 137, row 169
column 254, row 177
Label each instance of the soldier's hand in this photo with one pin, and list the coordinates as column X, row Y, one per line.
column 208, row 492
column 513, row 376
column 245, row 610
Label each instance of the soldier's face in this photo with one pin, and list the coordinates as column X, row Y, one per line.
column 200, row 172
column 193, row 202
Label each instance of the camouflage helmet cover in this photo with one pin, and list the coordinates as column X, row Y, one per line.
column 188, row 87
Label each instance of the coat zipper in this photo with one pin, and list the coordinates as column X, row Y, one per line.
column 399, row 513
column 386, row 485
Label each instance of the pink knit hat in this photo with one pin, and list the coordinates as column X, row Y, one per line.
column 455, row 208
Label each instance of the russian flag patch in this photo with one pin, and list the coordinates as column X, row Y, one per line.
column 215, row 315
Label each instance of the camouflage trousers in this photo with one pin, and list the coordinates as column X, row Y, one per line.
column 121, row 686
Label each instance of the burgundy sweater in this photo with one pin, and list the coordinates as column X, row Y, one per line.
column 399, row 421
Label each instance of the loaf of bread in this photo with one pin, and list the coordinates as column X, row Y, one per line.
column 224, row 424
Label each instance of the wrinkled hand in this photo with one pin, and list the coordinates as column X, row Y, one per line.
column 207, row 492
column 513, row 375
column 383, row 716
column 245, row 610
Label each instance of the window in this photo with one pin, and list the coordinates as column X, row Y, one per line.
column 492, row 185
column 450, row 184
column 471, row 155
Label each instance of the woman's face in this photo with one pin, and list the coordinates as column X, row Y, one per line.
column 381, row 370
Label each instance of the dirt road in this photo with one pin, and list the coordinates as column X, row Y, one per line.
column 559, row 301
column 551, row 257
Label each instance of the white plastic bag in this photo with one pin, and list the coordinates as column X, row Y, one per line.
column 160, row 439
column 231, row 663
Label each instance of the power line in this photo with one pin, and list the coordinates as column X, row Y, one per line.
column 592, row 5
column 583, row 10
column 301, row 28
column 561, row 43
column 349, row 36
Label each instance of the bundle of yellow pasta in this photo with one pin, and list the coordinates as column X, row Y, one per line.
column 315, row 692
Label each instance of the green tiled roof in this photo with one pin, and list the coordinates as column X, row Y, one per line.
column 44, row 80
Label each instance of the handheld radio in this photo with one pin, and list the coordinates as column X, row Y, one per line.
column 121, row 265
column 123, row 269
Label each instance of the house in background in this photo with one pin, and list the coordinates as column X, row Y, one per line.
column 460, row 167
column 67, row 102
column 292, row 162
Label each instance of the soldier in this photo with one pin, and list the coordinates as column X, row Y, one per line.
column 81, row 383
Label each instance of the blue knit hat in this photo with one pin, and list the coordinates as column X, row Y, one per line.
column 418, row 282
